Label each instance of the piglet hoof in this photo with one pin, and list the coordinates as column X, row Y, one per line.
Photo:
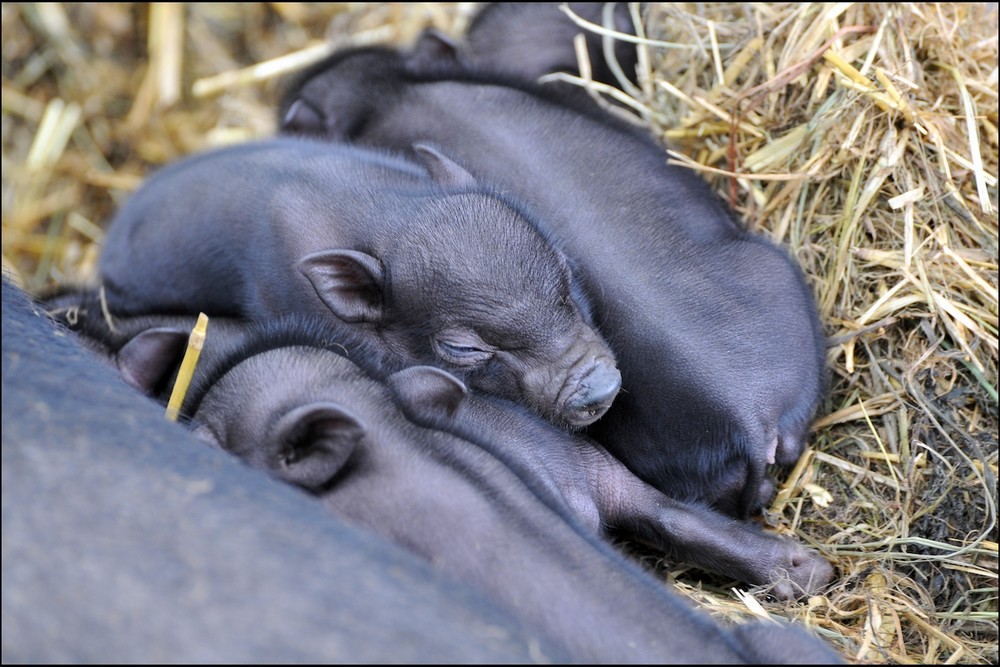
column 804, row 573
column 765, row 494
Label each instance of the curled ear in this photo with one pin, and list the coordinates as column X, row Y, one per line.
column 147, row 361
column 349, row 282
column 427, row 394
column 432, row 49
column 303, row 118
column 445, row 172
column 313, row 442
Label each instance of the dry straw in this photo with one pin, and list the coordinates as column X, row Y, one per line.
column 196, row 341
column 861, row 137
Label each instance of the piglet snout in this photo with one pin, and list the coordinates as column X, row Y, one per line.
column 596, row 393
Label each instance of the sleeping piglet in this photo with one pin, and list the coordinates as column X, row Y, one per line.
column 419, row 258
column 576, row 475
column 496, row 497
column 714, row 329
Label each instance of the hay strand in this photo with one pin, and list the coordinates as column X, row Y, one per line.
column 188, row 364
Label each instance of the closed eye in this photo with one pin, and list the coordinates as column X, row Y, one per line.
column 461, row 353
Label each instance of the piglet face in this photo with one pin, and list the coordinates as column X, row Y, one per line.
column 501, row 313
column 468, row 284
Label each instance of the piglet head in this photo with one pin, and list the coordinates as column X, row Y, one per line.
column 323, row 101
column 487, row 297
column 469, row 284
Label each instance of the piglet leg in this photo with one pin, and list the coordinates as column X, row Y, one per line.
column 702, row 536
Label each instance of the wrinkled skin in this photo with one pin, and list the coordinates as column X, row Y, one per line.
column 421, row 260
column 514, row 512
column 715, row 330
column 125, row 540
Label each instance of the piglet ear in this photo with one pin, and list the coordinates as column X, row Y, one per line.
column 348, row 282
column 313, row 442
column 302, row 118
column 147, row 361
column 433, row 49
column 426, row 394
column 444, row 171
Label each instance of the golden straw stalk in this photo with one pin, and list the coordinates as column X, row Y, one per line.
column 184, row 375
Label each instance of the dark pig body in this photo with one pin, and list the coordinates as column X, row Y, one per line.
column 532, row 39
column 520, row 40
column 432, row 268
column 604, row 495
column 125, row 540
column 573, row 474
column 500, row 517
column 714, row 329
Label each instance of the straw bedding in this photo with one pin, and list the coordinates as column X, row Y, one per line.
column 861, row 137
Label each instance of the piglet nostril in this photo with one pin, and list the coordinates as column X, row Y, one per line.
column 602, row 385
